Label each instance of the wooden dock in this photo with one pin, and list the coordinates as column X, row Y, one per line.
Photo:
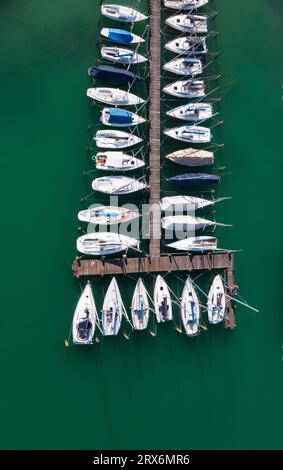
column 154, row 131
column 155, row 261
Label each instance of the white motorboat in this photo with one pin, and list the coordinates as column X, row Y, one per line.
column 192, row 134
column 184, row 66
column 162, row 300
column 112, row 310
column 84, row 320
column 216, row 301
column 121, row 36
column 187, row 203
column 197, row 244
column 140, row 307
column 122, row 13
column 190, row 308
column 188, row 45
column 120, row 118
column 117, row 185
column 117, row 161
column 184, row 4
column 192, row 112
column 186, row 89
column 187, row 223
column 188, row 23
column 107, row 215
column 121, row 55
column 114, row 96
column 113, row 139
column 191, row 157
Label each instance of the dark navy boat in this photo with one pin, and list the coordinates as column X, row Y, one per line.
column 195, row 179
column 112, row 75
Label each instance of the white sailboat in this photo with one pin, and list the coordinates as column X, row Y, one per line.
column 117, row 185
column 187, row 203
column 192, row 134
column 190, row 308
column 162, row 300
column 184, row 4
column 197, row 244
column 184, row 66
column 192, row 112
column 121, row 13
column 107, row 215
column 115, row 139
column 84, row 319
column 216, row 301
column 187, row 222
column 105, row 243
column 191, row 157
column 117, row 161
column 188, row 23
column 116, row 117
column 113, row 96
column 186, row 89
column 140, row 307
column 112, row 310
column 188, row 45
column 121, row 55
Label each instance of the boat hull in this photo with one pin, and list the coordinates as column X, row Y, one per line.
column 83, row 326
column 192, row 157
column 140, row 307
column 216, row 301
column 162, row 301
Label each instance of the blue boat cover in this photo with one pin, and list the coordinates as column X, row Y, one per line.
column 113, row 75
column 196, row 179
column 120, row 35
column 120, row 116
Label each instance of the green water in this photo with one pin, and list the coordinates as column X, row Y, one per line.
column 220, row 390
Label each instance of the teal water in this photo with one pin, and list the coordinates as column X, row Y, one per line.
column 220, row 390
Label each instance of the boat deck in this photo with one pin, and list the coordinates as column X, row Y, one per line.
column 157, row 262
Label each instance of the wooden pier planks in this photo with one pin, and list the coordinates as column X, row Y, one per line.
column 154, row 131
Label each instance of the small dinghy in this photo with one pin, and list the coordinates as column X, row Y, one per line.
column 188, row 23
column 112, row 310
column 198, row 244
column 216, row 301
column 162, row 300
column 188, row 45
column 191, row 157
column 113, row 139
column 114, row 96
column 117, row 185
column 117, row 161
column 187, row 223
column 193, row 134
column 121, row 36
column 120, row 118
column 84, row 320
column 113, row 75
column 121, row 13
column 107, row 215
column 105, row 243
column 190, row 308
column 192, row 112
column 184, row 4
column 187, row 203
column 184, row 66
column 186, row 89
column 140, row 307
column 195, row 179
column 122, row 56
